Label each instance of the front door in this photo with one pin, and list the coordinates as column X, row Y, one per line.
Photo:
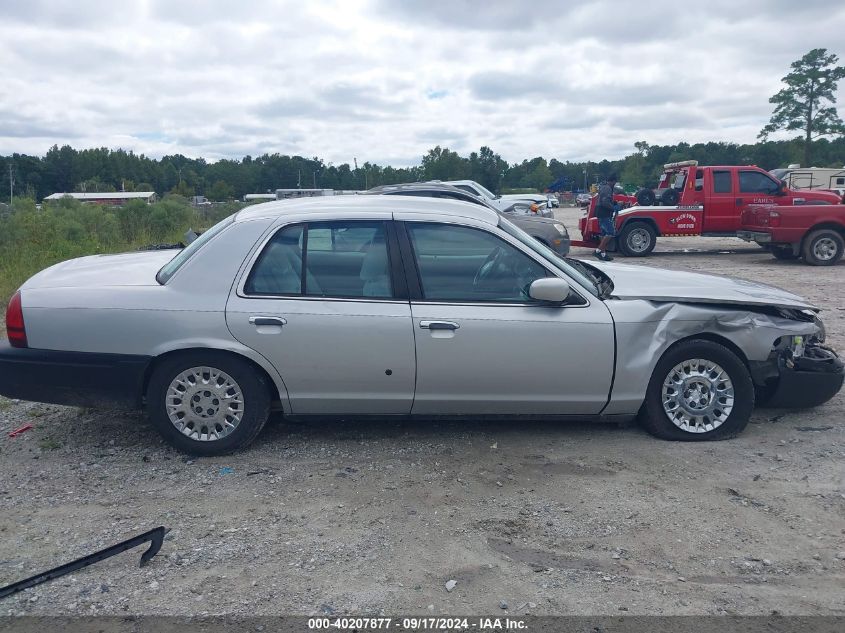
column 322, row 304
column 484, row 347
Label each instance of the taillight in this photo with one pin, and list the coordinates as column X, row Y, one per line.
column 774, row 218
column 14, row 322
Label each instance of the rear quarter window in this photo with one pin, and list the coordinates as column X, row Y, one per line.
column 169, row 269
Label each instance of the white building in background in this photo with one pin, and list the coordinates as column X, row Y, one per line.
column 116, row 198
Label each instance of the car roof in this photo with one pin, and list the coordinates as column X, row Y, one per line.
column 354, row 204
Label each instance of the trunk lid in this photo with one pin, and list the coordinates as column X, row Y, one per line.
column 126, row 269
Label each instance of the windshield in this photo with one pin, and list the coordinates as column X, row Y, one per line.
column 485, row 192
column 549, row 255
column 184, row 255
column 779, row 173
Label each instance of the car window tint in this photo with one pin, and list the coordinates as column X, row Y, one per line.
column 755, row 182
column 278, row 270
column 347, row 259
column 722, row 182
column 465, row 264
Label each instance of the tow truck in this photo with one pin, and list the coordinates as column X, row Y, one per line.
column 693, row 200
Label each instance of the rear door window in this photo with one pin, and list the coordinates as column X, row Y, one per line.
column 325, row 259
column 722, row 182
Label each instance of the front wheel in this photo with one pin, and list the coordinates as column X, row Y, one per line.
column 699, row 390
column 207, row 402
column 823, row 247
column 637, row 239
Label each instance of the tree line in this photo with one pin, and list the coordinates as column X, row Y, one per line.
column 65, row 169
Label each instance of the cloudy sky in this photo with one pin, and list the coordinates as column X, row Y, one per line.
column 385, row 80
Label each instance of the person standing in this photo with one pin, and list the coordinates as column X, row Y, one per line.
column 604, row 212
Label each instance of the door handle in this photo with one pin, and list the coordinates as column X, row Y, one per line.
column 439, row 325
column 267, row 320
column 739, row 200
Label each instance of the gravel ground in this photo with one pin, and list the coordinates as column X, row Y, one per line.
column 378, row 517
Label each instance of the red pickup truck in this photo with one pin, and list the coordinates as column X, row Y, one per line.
column 815, row 233
column 694, row 200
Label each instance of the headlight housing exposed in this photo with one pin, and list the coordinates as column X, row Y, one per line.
column 560, row 229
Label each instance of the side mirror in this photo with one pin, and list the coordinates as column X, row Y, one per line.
column 781, row 188
column 549, row 289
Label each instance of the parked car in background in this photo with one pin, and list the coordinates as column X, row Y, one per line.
column 549, row 232
column 815, row 233
column 403, row 306
column 583, row 199
column 544, row 205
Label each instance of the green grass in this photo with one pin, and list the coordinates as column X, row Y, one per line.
column 49, row 444
column 32, row 240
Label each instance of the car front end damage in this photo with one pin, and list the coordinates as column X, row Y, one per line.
column 801, row 371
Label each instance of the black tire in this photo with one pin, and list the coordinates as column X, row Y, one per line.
column 657, row 421
column 646, row 198
column 670, row 197
column 254, row 409
column 637, row 239
column 823, row 247
column 783, row 252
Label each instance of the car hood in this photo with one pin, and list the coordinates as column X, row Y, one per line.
column 657, row 284
column 127, row 269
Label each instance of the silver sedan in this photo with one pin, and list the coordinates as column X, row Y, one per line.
column 398, row 306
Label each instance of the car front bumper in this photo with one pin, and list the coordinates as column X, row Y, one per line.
column 73, row 378
column 808, row 381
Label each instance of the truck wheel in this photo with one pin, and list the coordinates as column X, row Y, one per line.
column 646, row 198
column 699, row 390
column 670, row 197
column 823, row 247
column 637, row 239
column 783, row 252
column 208, row 403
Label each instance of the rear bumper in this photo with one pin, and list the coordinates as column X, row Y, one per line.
column 755, row 236
column 72, row 378
column 810, row 380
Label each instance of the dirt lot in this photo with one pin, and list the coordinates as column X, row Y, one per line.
column 355, row 518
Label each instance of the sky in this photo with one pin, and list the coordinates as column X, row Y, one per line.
column 386, row 80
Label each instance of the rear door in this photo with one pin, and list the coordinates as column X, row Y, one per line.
column 721, row 213
column 326, row 304
column 483, row 346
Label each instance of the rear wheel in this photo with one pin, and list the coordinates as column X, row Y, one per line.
column 637, row 239
column 208, row 403
column 699, row 390
column 823, row 247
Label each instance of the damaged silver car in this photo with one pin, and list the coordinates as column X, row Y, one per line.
column 404, row 306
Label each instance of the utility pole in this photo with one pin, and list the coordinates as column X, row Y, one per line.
column 11, row 184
